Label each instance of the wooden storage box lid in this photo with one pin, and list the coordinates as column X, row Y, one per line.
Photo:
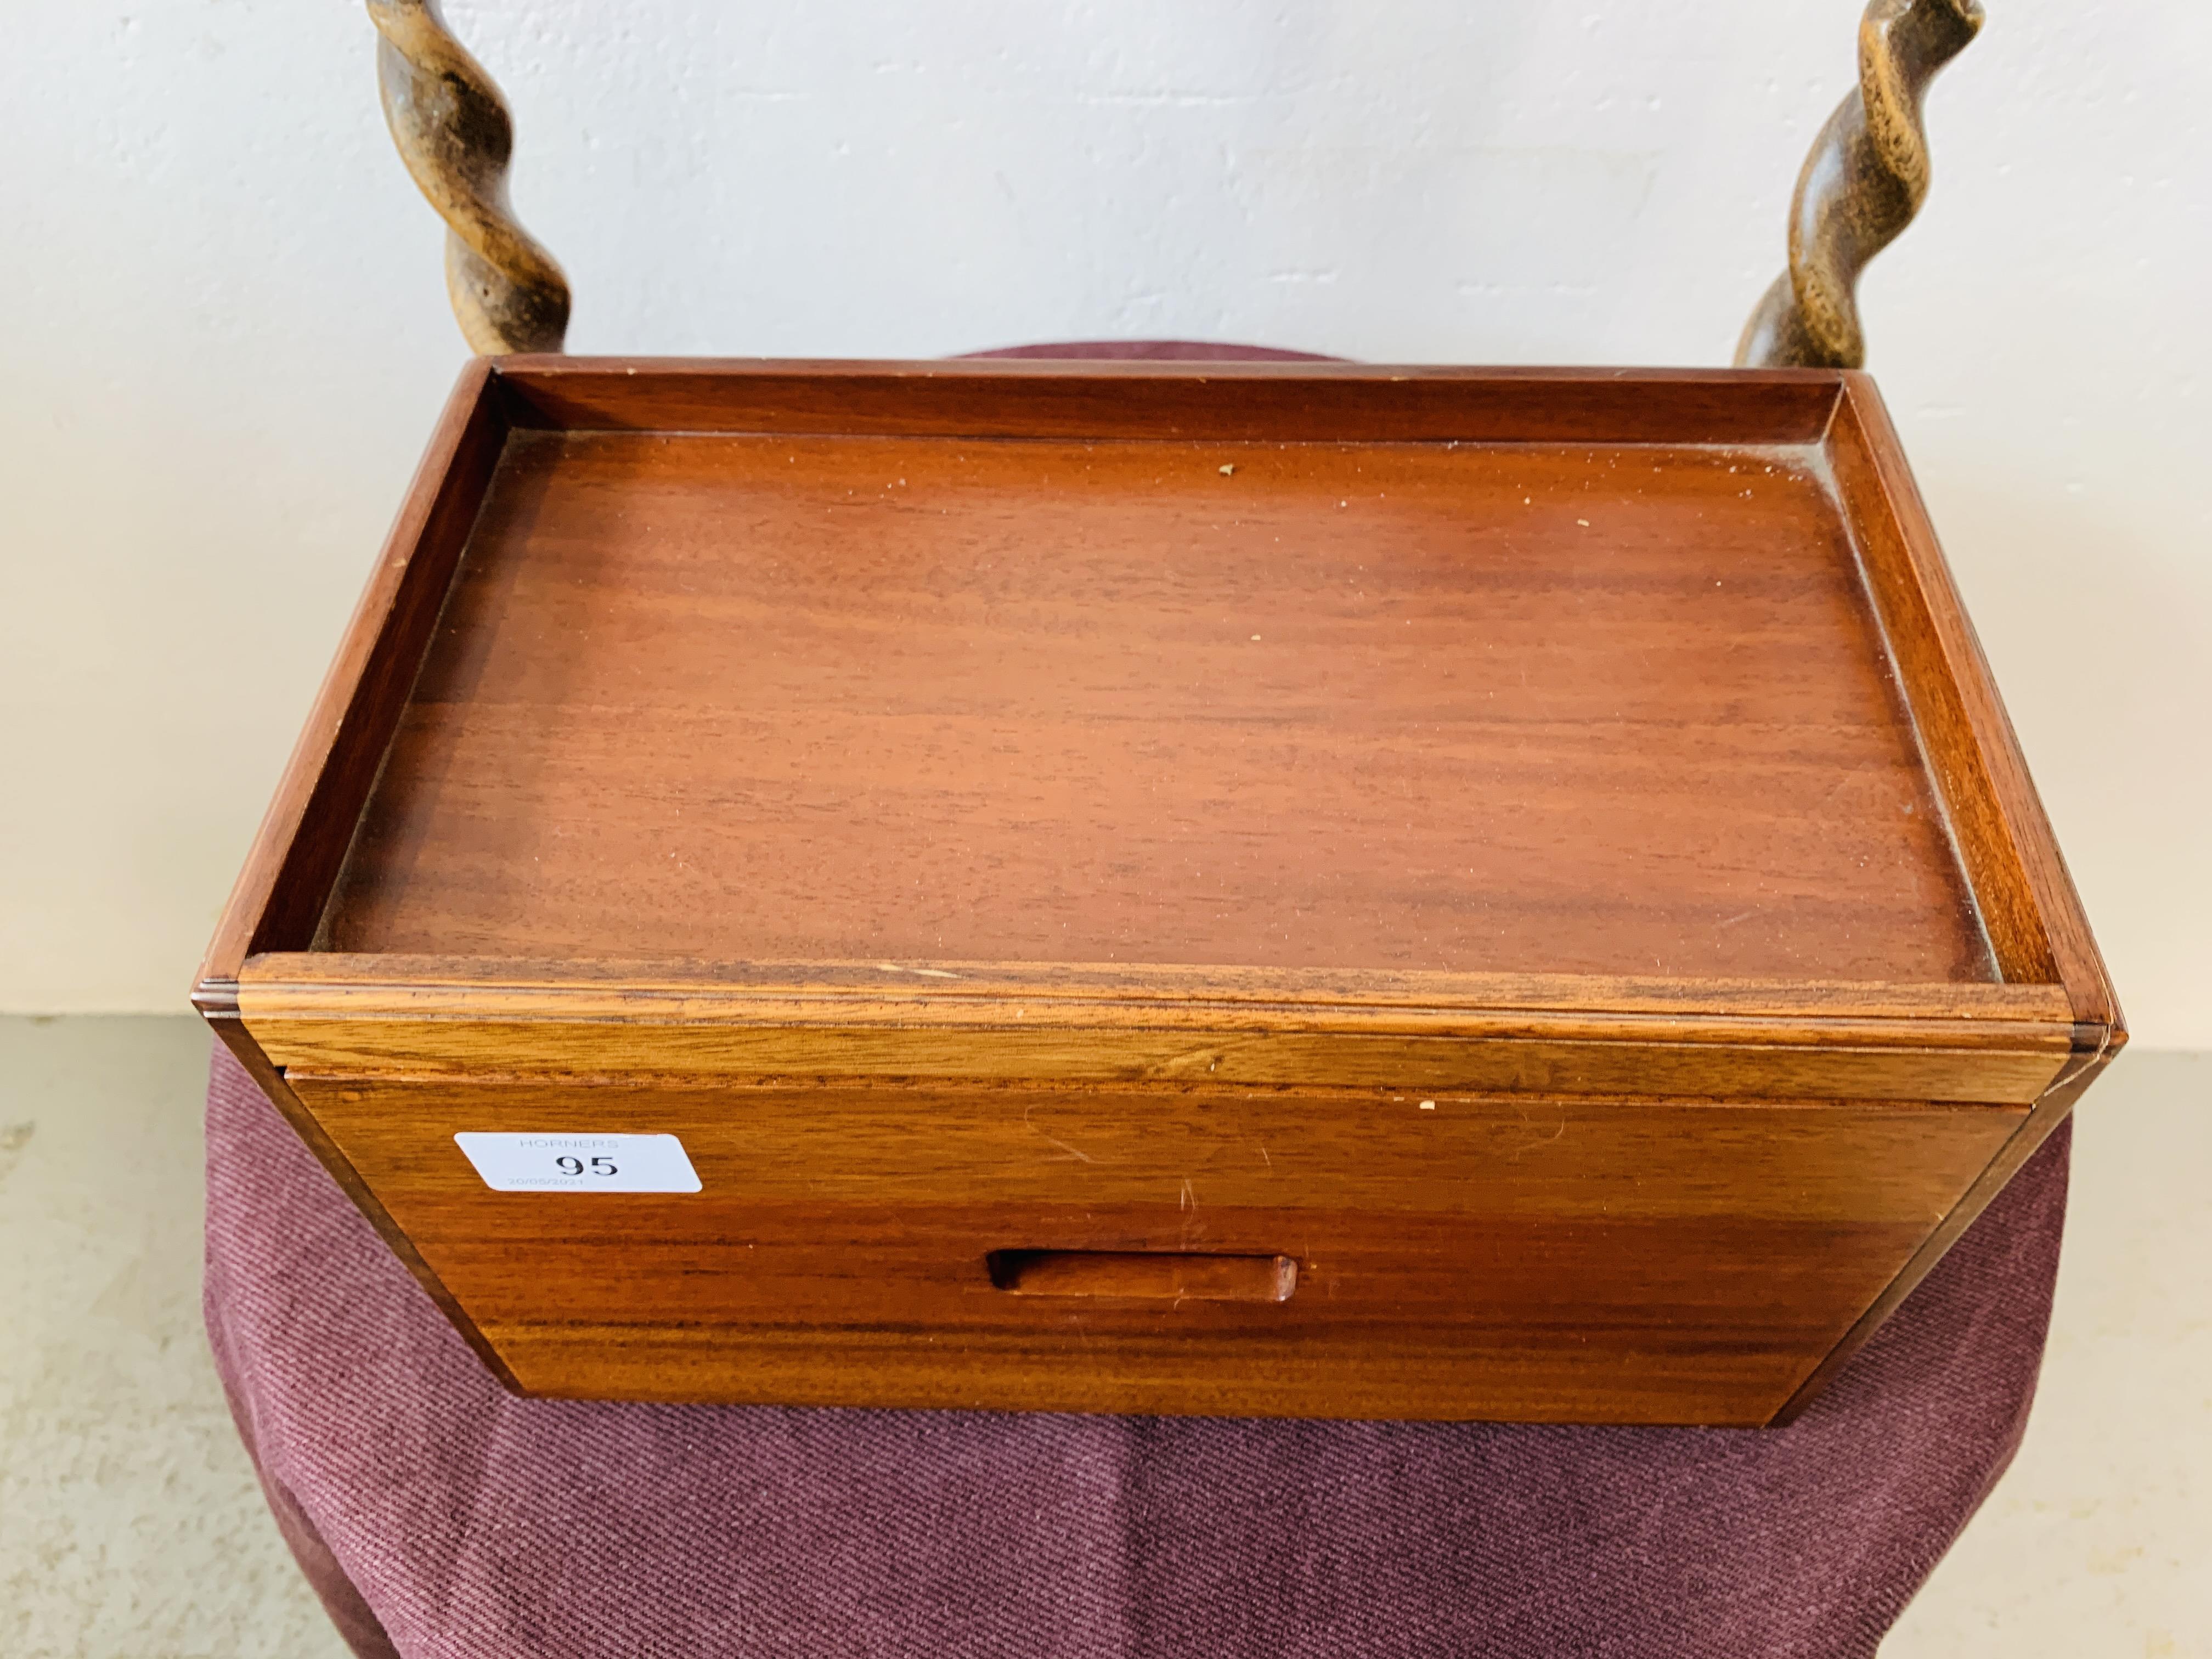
column 1614, row 731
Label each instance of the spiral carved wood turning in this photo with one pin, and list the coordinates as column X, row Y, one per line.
column 1864, row 179
column 455, row 134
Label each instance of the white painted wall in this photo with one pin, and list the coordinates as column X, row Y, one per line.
column 226, row 330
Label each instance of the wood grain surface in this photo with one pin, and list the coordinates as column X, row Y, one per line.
column 1600, row 934
column 281, row 894
column 1470, row 1256
column 1465, row 706
column 1231, row 402
column 219, row 1008
column 1141, row 1022
column 2032, row 913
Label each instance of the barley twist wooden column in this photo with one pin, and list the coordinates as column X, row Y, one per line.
column 1864, row 181
column 454, row 133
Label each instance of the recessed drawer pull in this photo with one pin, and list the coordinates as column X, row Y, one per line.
column 1150, row 1275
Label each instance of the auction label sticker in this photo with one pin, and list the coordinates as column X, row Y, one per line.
column 554, row 1163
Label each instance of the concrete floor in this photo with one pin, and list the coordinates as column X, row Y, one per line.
column 131, row 1523
column 130, row 1527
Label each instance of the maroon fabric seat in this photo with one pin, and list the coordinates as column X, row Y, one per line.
column 429, row 1505
column 438, row 1515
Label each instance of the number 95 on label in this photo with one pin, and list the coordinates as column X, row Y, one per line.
column 556, row 1163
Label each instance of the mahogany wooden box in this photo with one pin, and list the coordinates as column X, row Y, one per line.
column 1234, row 889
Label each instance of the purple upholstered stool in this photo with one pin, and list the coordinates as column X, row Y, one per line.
column 438, row 1515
